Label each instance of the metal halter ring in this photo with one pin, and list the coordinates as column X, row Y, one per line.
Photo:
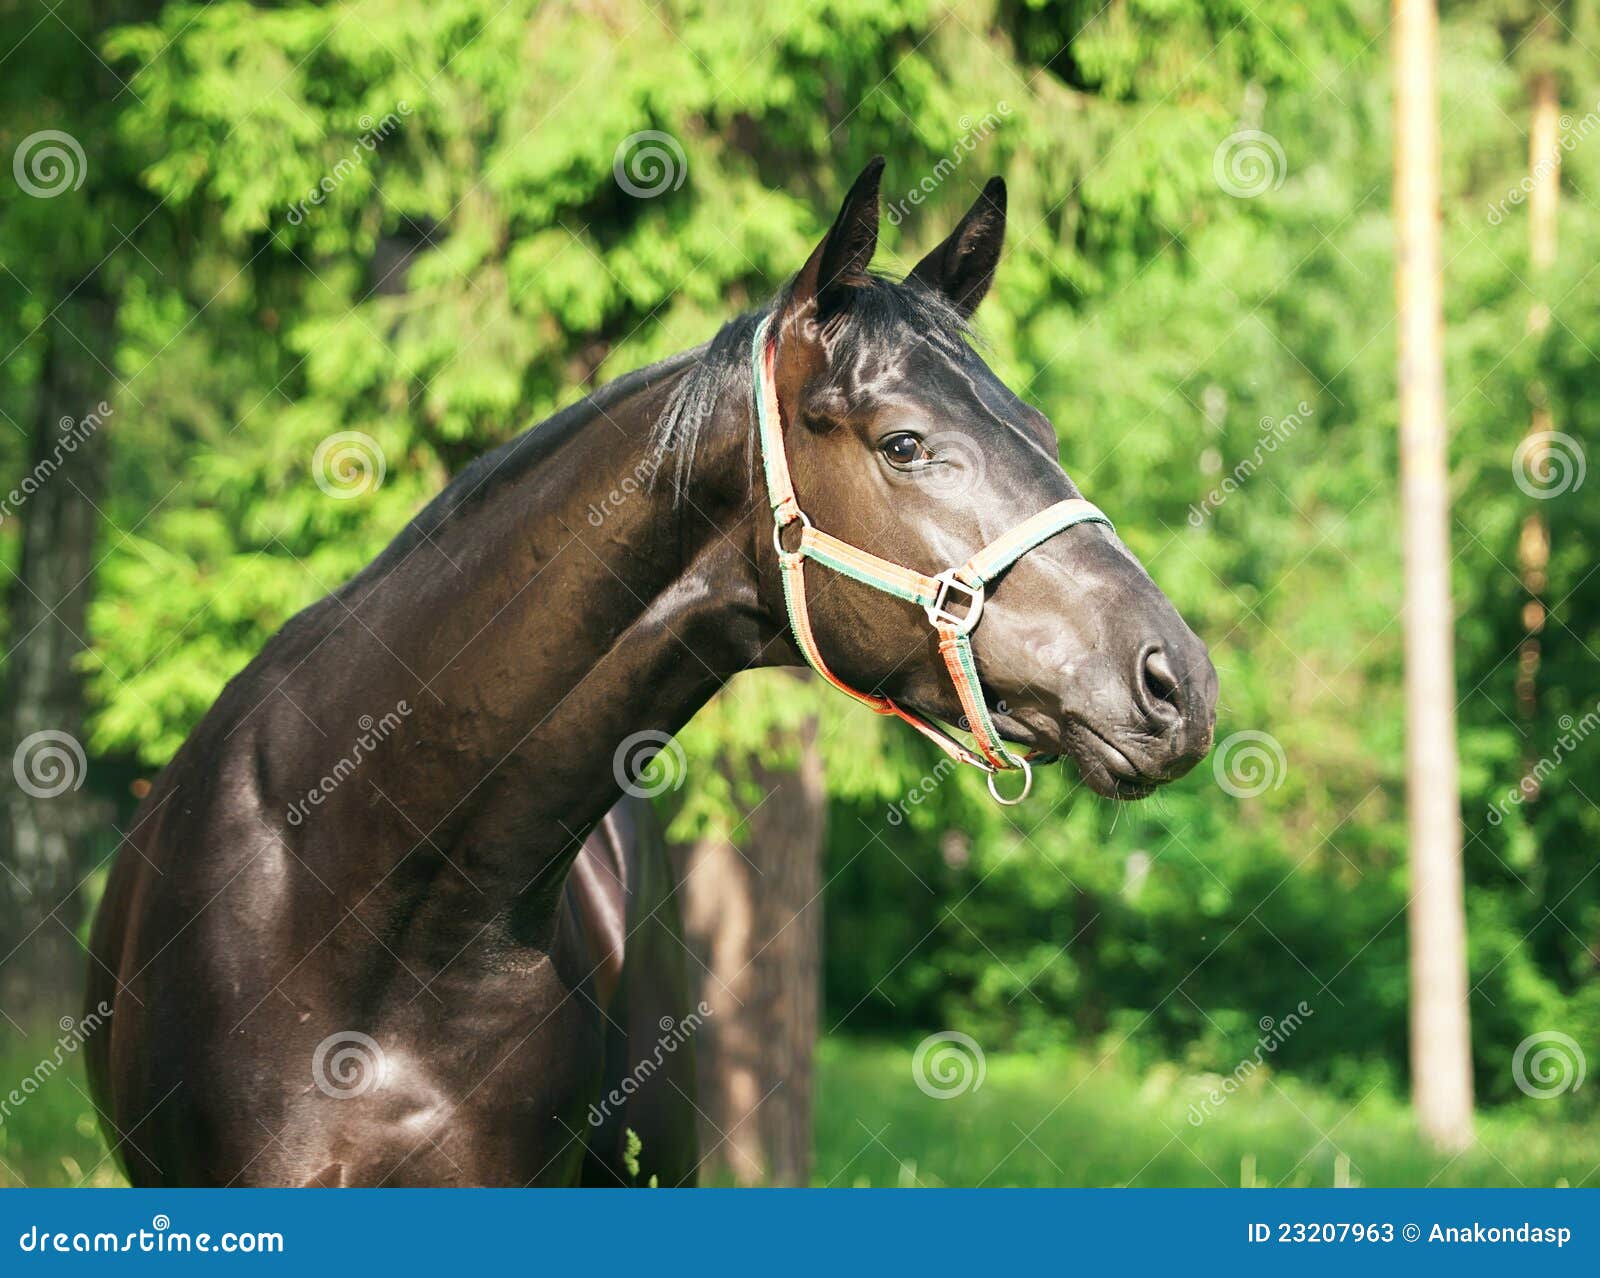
column 939, row 615
column 777, row 532
column 1027, row 785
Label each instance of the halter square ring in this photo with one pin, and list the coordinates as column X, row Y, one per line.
column 939, row 614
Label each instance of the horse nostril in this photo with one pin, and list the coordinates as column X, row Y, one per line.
column 1161, row 685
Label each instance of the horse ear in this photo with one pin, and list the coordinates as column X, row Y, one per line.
column 840, row 262
column 962, row 268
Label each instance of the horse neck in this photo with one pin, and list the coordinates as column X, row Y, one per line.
column 557, row 605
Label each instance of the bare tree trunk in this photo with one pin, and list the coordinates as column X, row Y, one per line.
column 1441, row 1057
column 1533, row 546
column 45, row 814
column 753, row 917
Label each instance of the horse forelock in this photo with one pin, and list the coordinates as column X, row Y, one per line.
column 884, row 315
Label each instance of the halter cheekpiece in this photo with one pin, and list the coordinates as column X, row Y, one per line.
column 952, row 599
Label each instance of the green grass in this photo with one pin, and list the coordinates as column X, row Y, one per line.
column 1059, row 1120
column 50, row 1137
column 1055, row 1119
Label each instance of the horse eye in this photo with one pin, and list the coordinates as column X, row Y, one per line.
column 903, row 449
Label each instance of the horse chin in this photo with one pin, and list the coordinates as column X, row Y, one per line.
column 1108, row 785
column 1103, row 767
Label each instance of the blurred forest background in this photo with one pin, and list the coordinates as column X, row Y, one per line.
column 419, row 220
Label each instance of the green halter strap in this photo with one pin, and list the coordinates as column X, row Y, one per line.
column 932, row 594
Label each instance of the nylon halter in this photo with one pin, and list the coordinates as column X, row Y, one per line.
column 932, row 594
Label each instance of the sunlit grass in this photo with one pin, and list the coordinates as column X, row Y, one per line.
column 1059, row 1120
column 49, row 1135
column 1041, row 1119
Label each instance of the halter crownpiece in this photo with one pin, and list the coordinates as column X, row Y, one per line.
column 953, row 599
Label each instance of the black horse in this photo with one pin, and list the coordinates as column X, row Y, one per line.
column 398, row 962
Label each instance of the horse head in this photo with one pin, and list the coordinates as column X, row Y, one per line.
column 898, row 440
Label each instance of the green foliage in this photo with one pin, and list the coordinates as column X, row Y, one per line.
column 633, row 1146
column 401, row 219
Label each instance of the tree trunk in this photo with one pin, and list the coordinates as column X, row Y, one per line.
column 46, row 812
column 1533, row 546
column 1441, row 1059
column 753, row 917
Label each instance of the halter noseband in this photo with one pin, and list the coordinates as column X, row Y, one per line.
column 932, row 594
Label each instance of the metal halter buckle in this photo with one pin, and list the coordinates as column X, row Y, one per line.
column 940, row 615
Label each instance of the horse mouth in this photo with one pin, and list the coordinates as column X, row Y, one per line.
column 1104, row 767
